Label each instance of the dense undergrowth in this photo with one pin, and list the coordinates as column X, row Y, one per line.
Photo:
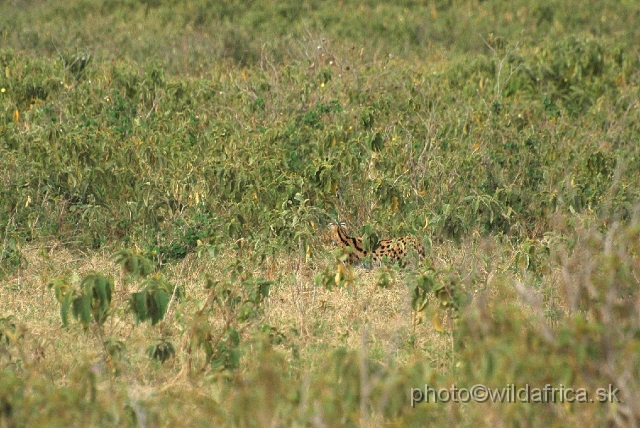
column 222, row 137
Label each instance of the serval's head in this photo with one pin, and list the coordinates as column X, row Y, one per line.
column 337, row 232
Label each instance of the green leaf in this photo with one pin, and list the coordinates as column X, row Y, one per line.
column 265, row 286
column 247, row 312
column 100, row 289
column 161, row 302
column 234, row 358
column 65, row 304
column 133, row 263
column 233, row 337
column 82, row 309
column 161, row 350
column 377, row 142
column 139, row 305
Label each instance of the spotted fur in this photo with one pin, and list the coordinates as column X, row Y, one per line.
column 393, row 249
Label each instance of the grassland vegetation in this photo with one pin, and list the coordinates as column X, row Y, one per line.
column 178, row 162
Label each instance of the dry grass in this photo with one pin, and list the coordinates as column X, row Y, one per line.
column 374, row 323
column 358, row 315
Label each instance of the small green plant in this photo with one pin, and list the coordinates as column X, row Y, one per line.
column 152, row 301
column 6, row 325
column 424, row 283
column 386, row 276
column 8, row 334
column 90, row 300
column 239, row 302
column 133, row 263
column 11, row 258
column 447, row 290
column 115, row 354
column 161, row 350
column 339, row 273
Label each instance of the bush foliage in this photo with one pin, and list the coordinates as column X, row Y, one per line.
column 228, row 134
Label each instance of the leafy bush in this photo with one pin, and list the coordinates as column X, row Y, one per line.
column 219, row 139
column 152, row 301
column 90, row 300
